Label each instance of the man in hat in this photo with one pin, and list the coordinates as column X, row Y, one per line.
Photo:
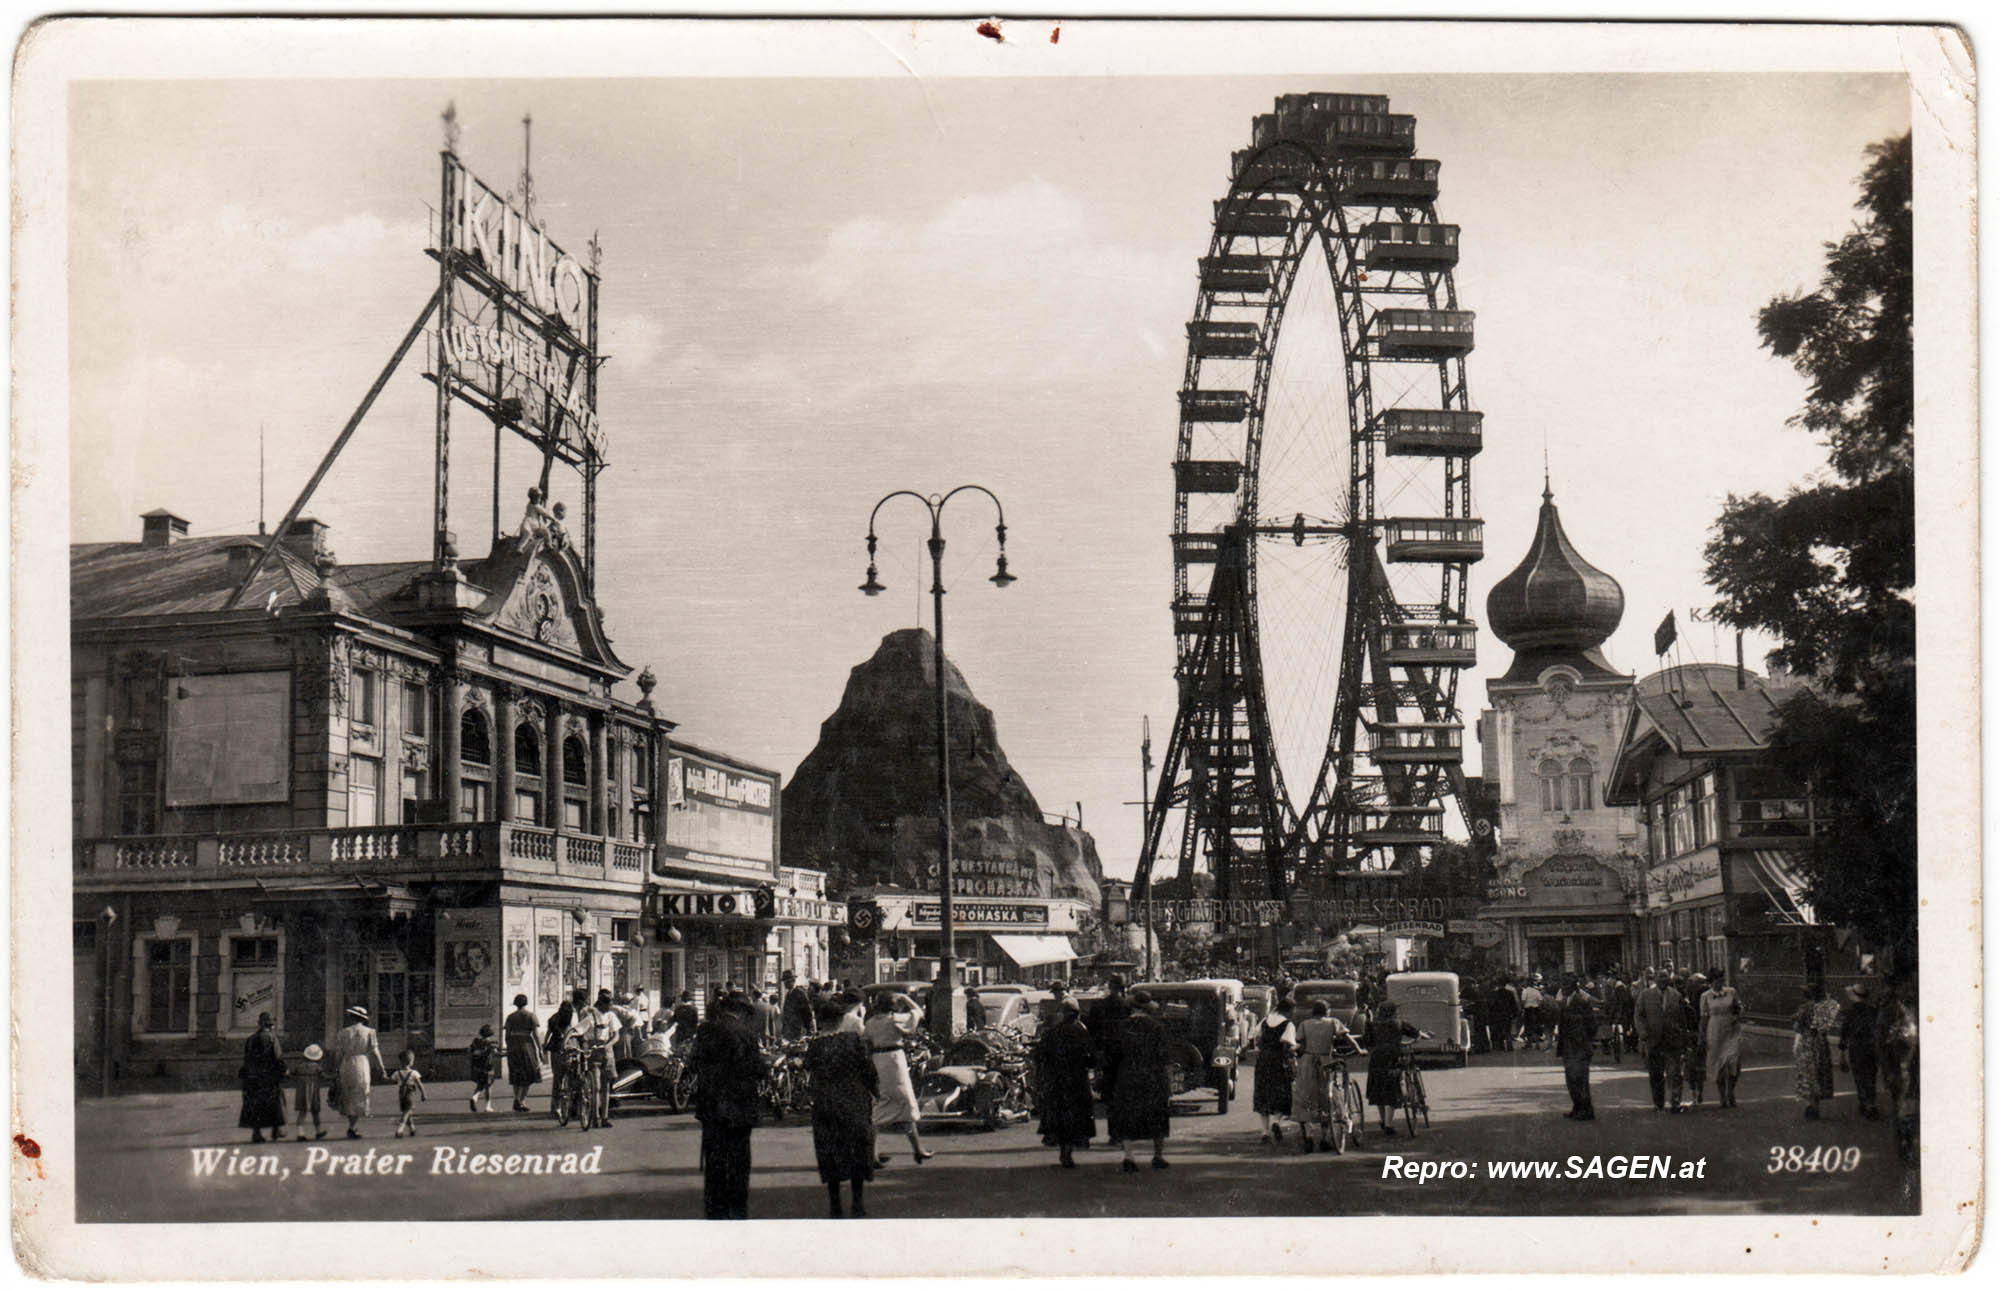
column 727, row 1063
column 1858, row 1050
column 263, row 1076
column 796, row 1018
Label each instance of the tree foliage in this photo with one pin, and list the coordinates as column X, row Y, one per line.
column 1830, row 568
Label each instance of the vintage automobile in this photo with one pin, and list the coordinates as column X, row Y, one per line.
column 1020, row 1009
column 982, row 1078
column 1342, row 998
column 1203, row 1013
column 1429, row 1001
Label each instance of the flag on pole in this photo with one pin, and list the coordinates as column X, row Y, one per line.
column 1664, row 635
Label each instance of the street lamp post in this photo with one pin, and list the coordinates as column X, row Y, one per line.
column 947, row 977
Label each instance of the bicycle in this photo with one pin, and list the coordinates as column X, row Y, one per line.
column 1410, row 1093
column 570, row 1105
column 1344, row 1101
column 595, row 1115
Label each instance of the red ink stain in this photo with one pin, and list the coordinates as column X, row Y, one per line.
column 990, row 31
column 1055, row 35
column 32, row 1150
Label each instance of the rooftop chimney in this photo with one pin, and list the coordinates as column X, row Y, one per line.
column 162, row 528
column 306, row 537
column 242, row 554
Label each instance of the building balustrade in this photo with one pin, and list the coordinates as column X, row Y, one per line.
column 375, row 850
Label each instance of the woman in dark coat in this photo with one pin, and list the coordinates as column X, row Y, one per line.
column 844, row 1085
column 1139, row 1055
column 1271, row 1094
column 1066, row 1053
column 1384, row 1042
column 263, row 1076
column 524, row 1057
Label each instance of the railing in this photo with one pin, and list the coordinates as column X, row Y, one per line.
column 153, row 853
column 373, row 849
column 1788, row 817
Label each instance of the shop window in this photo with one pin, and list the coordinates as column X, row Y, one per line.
column 621, row 974
column 416, row 709
column 473, row 745
column 254, row 982
column 527, row 752
column 166, row 985
column 576, row 762
column 622, row 930
column 365, row 698
column 364, row 791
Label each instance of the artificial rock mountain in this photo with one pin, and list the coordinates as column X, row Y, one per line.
column 863, row 804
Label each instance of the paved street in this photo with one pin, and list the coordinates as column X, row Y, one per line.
column 138, row 1152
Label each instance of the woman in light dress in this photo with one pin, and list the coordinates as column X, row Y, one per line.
column 1722, row 1025
column 358, row 1058
column 889, row 1022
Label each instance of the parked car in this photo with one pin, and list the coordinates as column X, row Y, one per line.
column 1204, row 1013
column 1343, row 1001
column 1429, row 1001
column 919, row 991
column 1019, row 1010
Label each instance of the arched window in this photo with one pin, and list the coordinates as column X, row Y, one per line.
column 1582, row 795
column 473, row 745
column 1551, row 774
column 576, row 762
column 527, row 752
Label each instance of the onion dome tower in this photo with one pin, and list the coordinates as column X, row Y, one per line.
column 1555, row 608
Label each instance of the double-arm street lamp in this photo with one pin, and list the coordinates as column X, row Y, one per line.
column 947, row 976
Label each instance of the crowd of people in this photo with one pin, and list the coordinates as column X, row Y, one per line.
column 1687, row 1031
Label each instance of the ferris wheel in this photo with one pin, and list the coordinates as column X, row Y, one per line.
column 1323, row 520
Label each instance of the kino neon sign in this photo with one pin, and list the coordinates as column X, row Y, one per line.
column 517, row 335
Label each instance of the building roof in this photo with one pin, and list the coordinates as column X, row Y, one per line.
column 1555, row 607
column 191, row 576
column 1694, row 713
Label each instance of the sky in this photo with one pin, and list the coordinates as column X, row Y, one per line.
column 818, row 290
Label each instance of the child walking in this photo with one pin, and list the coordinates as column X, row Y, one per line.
column 409, row 1091
column 485, row 1054
column 308, row 1077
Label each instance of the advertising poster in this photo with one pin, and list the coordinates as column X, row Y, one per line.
column 468, row 949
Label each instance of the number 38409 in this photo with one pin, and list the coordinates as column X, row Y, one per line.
column 1819, row 1160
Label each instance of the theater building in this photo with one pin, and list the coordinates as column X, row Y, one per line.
column 300, row 786
column 1569, row 884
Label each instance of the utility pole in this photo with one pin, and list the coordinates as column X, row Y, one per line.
column 1145, row 805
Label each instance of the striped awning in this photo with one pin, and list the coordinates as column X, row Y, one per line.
column 1782, row 884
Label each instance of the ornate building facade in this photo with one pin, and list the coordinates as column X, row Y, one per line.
column 1569, row 882
column 400, row 786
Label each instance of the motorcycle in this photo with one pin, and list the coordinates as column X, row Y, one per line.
column 982, row 1078
column 652, row 1077
column 785, row 1086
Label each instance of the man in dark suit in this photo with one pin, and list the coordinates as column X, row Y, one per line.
column 796, row 1019
column 728, row 1063
column 1576, row 1035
